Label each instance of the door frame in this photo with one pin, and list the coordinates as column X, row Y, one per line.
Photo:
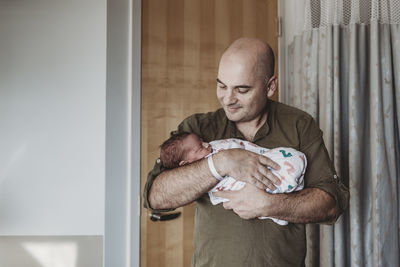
column 121, row 246
column 136, row 130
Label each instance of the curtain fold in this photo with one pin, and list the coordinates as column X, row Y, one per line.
column 348, row 78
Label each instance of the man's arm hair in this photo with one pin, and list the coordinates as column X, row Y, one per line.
column 181, row 186
column 310, row 205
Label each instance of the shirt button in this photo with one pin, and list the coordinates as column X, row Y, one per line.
column 335, row 176
column 158, row 161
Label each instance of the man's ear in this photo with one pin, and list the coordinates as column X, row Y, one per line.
column 183, row 162
column 271, row 86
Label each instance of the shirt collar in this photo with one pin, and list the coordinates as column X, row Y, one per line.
column 261, row 133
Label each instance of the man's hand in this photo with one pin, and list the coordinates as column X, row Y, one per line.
column 249, row 202
column 248, row 167
column 310, row 205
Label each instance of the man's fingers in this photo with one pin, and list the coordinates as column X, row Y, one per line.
column 265, row 181
column 223, row 194
column 269, row 162
column 270, row 185
column 227, row 205
column 273, row 178
column 256, row 182
column 226, row 195
column 269, row 175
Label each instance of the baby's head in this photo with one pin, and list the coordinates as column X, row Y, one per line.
column 183, row 148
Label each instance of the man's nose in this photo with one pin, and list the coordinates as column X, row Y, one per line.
column 229, row 97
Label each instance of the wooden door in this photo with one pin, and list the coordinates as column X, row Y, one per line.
column 182, row 41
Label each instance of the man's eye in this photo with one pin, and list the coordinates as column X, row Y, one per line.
column 243, row 90
column 220, row 86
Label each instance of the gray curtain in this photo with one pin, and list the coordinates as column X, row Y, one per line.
column 348, row 78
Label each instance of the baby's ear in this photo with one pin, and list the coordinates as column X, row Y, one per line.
column 183, row 162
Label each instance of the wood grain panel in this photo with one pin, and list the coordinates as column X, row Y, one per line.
column 182, row 42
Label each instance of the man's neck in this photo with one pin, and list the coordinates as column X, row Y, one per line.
column 249, row 128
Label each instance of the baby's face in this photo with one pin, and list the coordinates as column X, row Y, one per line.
column 197, row 149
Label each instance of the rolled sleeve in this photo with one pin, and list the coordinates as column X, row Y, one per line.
column 320, row 171
column 338, row 192
column 190, row 124
column 157, row 169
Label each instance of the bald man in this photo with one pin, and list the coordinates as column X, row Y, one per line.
column 226, row 235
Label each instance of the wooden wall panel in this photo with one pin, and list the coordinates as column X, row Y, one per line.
column 182, row 41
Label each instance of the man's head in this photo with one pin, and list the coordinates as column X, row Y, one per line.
column 183, row 148
column 246, row 79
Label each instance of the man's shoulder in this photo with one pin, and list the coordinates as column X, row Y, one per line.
column 286, row 110
column 205, row 125
column 297, row 128
column 206, row 118
column 290, row 114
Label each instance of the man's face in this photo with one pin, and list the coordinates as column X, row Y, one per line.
column 241, row 91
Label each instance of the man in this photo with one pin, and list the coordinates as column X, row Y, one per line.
column 224, row 235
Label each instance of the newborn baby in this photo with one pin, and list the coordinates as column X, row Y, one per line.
column 185, row 148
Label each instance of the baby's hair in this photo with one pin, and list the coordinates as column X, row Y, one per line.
column 172, row 151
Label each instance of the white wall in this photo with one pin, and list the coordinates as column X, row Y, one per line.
column 52, row 117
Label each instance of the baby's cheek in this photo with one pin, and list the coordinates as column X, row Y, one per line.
column 205, row 153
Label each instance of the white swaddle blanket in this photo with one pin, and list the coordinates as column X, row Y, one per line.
column 293, row 166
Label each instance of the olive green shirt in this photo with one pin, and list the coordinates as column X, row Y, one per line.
column 221, row 237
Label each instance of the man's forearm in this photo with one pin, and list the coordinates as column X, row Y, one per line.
column 310, row 205
column 181, row 186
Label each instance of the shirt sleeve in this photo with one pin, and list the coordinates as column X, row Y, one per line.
column 188, row 125
column 157, row 169
column 320, row 171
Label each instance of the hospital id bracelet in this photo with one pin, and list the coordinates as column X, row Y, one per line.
column 212, row 168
